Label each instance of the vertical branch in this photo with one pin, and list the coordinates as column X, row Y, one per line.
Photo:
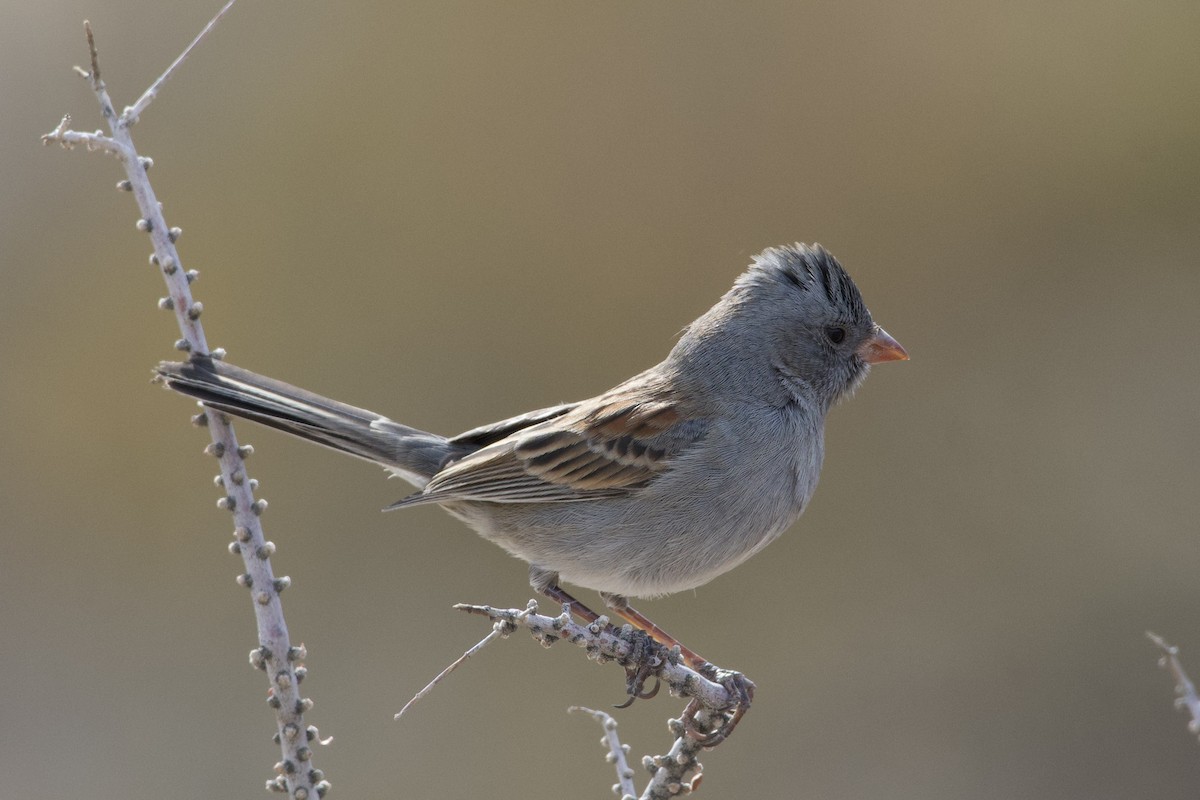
column 275, row 654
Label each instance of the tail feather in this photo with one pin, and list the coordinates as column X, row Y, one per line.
column 410, row 453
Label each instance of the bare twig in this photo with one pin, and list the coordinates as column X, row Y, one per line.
column 500, row 629
column 131, row 113
column 1184, row 688
column 274, row 654
column 617, row 752
column 68, row 138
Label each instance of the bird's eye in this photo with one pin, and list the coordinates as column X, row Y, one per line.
column 836, row 333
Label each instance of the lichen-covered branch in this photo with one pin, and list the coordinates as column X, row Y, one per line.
column 275, row 653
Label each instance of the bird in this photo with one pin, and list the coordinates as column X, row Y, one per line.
column 658, row 485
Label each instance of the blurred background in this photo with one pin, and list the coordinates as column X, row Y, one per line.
column 452, row 212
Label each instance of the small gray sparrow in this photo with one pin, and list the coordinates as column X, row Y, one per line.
column 657, row 485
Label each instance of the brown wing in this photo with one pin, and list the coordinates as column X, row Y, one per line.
column 601, row 448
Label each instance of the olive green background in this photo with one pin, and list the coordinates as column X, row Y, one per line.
column 456, row 211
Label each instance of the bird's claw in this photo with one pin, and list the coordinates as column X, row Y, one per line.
column 635, row 681
column 741, row 692
column 643, row 662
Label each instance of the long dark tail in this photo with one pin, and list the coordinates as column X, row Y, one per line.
column 413, row 454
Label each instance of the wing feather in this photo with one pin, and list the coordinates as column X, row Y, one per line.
column 607, row 447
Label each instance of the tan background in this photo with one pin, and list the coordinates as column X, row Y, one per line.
column 456, row 211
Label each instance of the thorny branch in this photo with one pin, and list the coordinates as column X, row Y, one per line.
column 275, row 654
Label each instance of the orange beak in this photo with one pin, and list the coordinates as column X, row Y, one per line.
column 882, row 347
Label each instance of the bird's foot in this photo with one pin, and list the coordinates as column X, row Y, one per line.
column 741, row 692
column 645, row 660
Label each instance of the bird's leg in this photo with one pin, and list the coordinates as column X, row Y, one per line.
column 738, row 685
column 620, row 606
column 546, row 583
column 643, row 661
